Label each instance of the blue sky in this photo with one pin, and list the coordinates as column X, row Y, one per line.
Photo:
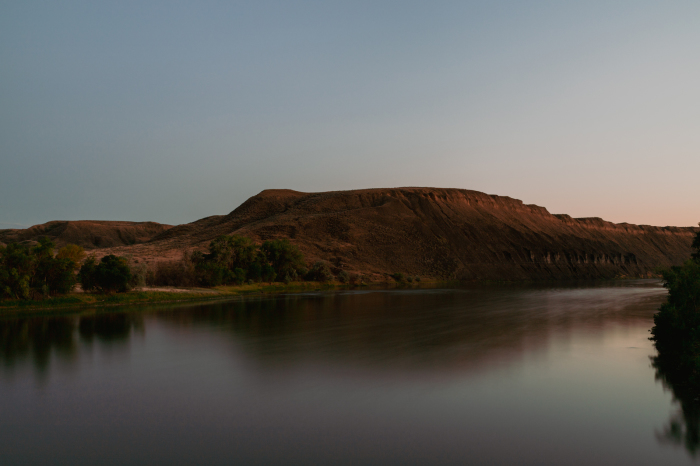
column 173, row 111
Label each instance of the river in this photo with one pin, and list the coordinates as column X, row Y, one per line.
column 539, row 374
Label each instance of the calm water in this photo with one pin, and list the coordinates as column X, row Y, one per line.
column 497, row 375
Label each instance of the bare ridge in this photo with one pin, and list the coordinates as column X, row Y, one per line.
column 431, row 232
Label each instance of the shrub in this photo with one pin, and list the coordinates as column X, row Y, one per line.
column 86, row 276
column 268, row 273
column 167, row 274
column 139, row 276
column 320, row 272
column 399, row 277
column 255, row 272
column 112, row 274
column 239, row 276
column 343, row 277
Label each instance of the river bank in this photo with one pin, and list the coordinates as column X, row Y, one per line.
column 162, row 295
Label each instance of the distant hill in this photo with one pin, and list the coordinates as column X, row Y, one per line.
column 90, row 234
column 431, row 232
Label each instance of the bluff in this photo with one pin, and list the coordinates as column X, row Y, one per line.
column 432, row 232
column 90, row 234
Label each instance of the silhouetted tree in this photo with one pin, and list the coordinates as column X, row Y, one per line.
column 112, row 274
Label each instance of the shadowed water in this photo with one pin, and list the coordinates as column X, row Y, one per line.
column 488, row 375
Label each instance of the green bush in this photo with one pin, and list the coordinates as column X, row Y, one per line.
column 237, row 260
column 73, row 252
column 343, row 277
column 320, row 272
column 268, row 273
column 112, row 274
column 284, row 258
column 27, row 272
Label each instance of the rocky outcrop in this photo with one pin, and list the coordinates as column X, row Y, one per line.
column 440, row 233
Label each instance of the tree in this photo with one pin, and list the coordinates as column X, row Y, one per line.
column 112, row 274
column 53, row 275
column 320, row 272
column 235, row 259
column 73, row 252
column 16, row 269
column 86, row 276
column 232, row 251
column 284, row 257
column 343, row 277
column 34, row 271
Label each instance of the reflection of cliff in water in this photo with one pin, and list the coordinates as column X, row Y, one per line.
column 462, row 329
column 683, row 426
column 423, row 329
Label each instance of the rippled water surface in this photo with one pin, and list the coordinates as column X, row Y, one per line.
column 490, row 375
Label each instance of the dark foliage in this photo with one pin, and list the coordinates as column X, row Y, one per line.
column 320, row 272
column 234, row 260
column 343, row 277
column 284, row 258
column 111, row 274
column 33, row 272
column 174, row 273
column 676, row 335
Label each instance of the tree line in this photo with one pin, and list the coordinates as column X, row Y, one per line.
column 236, row 260
column 37, row 272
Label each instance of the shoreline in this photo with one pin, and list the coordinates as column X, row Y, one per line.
column 167, row 295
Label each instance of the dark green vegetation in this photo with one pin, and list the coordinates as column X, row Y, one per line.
column 34, row 272
column 30, row 273
column 112, row 274
column 676, row 334
column 236, row 259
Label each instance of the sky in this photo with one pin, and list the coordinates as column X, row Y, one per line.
column 171, row 111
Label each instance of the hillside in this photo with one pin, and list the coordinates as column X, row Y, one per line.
column 432, row 232
column 90, row 234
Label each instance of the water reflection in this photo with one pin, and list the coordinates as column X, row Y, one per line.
column 428, row 329
column 683, row 426
column 499, row 375
column 470, row 328
column 113, row 327
column 38, row 338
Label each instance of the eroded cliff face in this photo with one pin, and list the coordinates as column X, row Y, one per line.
column 440, row 233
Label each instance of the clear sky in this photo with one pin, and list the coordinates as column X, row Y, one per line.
column 172, row 111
